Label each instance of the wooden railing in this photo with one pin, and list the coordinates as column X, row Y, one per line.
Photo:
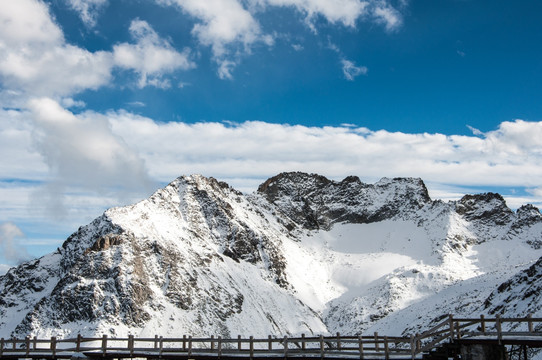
column 454, row 329
column 358, row 347
column 354, row 347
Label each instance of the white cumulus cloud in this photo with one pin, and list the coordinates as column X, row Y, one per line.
column 35, row 59
column 151, row 56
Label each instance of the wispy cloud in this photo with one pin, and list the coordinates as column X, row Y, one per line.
column 88, row 10
column 387, row 15
column 12, row 251
column 151, row 56
column 231, row 27
column 224, row 25
column 351, row 71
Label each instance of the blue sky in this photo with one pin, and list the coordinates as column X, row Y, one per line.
column 103, row 101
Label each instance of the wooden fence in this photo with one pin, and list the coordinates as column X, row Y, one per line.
column 522, row 330
column 374, row 346
column 329, row 347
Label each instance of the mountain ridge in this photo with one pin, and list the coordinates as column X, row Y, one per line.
column 301, row 254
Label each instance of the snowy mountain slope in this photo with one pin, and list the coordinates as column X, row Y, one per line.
column 303, row 254
column 195, row 257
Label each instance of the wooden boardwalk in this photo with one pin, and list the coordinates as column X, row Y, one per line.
column 527, row 331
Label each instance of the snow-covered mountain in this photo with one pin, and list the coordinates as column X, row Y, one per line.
column 303, row 254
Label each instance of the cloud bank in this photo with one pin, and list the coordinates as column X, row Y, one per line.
column 508, row 156
column 122, row 151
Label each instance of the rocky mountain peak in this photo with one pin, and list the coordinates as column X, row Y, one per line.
column 488, row 207
column 316, row 202
column 414, row 188
column 529, row 214
column 294, row 184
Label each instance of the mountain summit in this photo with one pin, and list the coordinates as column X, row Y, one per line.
column 303, row 254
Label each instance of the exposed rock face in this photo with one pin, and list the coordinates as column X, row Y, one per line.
column 518, row 296
column 304, row 254
column 317, row 203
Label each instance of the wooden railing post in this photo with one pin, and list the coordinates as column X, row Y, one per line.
column 27, row 344
column 285, row 343
column 251, row 347
column 77, row 343
column 131, row 345
column 190, row 345
column 458, row 330
column 499, row 327
column 303, row 345
column 386, row 348
column 14, row 343
column 530, row 323
column 212, row 342
column 269, row 343
column 161, row 346
column 413, row 347
column 184, row 342
column 1, row 347
column 104, row 345
column 35, row 342
column 219, row 346
column 339, row 341
column 321, row 346
column 377, row 347
column 418, row 343
column 360, row 346
column 451, row 325
column 53, row 345
column 156, row 341
column 483, row 324
column 239, row 342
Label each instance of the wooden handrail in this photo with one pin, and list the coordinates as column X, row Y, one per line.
column 361, row 346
